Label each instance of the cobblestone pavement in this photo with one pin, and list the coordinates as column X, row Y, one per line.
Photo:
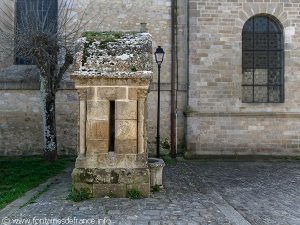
column 195, row 193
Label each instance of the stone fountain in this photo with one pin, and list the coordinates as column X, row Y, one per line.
column 112, row 79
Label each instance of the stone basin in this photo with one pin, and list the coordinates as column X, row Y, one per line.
column 156, row 171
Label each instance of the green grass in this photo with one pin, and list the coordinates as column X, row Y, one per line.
column 34, row 198
column 169, row 160
column 20, row 174
column 92, row 36
column 155, row 188
column 78, row 195
column 134, row 194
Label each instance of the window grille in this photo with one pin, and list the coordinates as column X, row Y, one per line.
column 263, row 61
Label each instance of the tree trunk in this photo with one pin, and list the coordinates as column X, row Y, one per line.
column 49, row 123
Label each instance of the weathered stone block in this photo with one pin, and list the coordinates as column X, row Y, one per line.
column 97, row 110
column 105, row 176
column 143, row 188
column 126, row 110
column 98, row 130
column 91, row 93
column 111, row 93
column 97, row 147
column 134, row 93
column 134, row 176
column 82, row 175
column 116, row 160
column 113, row 190
column 115, row 182
column 111, row 160
column 126, row 146
column 141, row 160
column 76, row 175
column 84, row 186
column 126, row 129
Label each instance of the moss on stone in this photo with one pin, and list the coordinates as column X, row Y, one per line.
column 92, row 36
column 133, row 69
column 103, row 37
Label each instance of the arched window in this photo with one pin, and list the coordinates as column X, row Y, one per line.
column 263, row 61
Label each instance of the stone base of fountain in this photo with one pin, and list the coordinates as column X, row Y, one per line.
column 112, row 182
column 156, row 171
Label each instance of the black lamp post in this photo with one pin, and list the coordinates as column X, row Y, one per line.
column 159, row 58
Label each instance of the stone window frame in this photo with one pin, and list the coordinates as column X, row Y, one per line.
column 268, row 86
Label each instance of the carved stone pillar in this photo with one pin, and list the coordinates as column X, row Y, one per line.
column 142, row 96
column 141, row 126
column 82, row 122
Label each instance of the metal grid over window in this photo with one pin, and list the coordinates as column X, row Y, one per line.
column 263, row 61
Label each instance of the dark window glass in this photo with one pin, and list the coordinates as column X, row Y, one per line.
column 112, row 118
column 263, row 56
column 37, row 13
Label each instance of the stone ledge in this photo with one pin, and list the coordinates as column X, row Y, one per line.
column 193, row 156
column 69, row 85
column 140, row 78
column 242, row 114
column 112, row 160
column 111, row 176
column 112, row 75
column 34, row 85
column 26, row 77
column 182, row 87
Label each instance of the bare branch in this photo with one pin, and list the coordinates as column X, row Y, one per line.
column 36, row 21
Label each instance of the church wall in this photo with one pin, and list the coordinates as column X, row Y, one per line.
column 19, row 109
column 21, row 122
column 218, row 121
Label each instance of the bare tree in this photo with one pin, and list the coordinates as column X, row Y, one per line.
column 43, row 32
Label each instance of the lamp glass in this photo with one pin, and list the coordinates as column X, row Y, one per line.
column 159, row 55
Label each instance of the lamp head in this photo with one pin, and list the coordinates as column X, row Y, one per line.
column 159, row 55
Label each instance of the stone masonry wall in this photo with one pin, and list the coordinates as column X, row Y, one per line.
column 123, row 15
column 21, row 122
column 218, row 121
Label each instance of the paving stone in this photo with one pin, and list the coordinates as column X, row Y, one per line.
column 236, row 193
